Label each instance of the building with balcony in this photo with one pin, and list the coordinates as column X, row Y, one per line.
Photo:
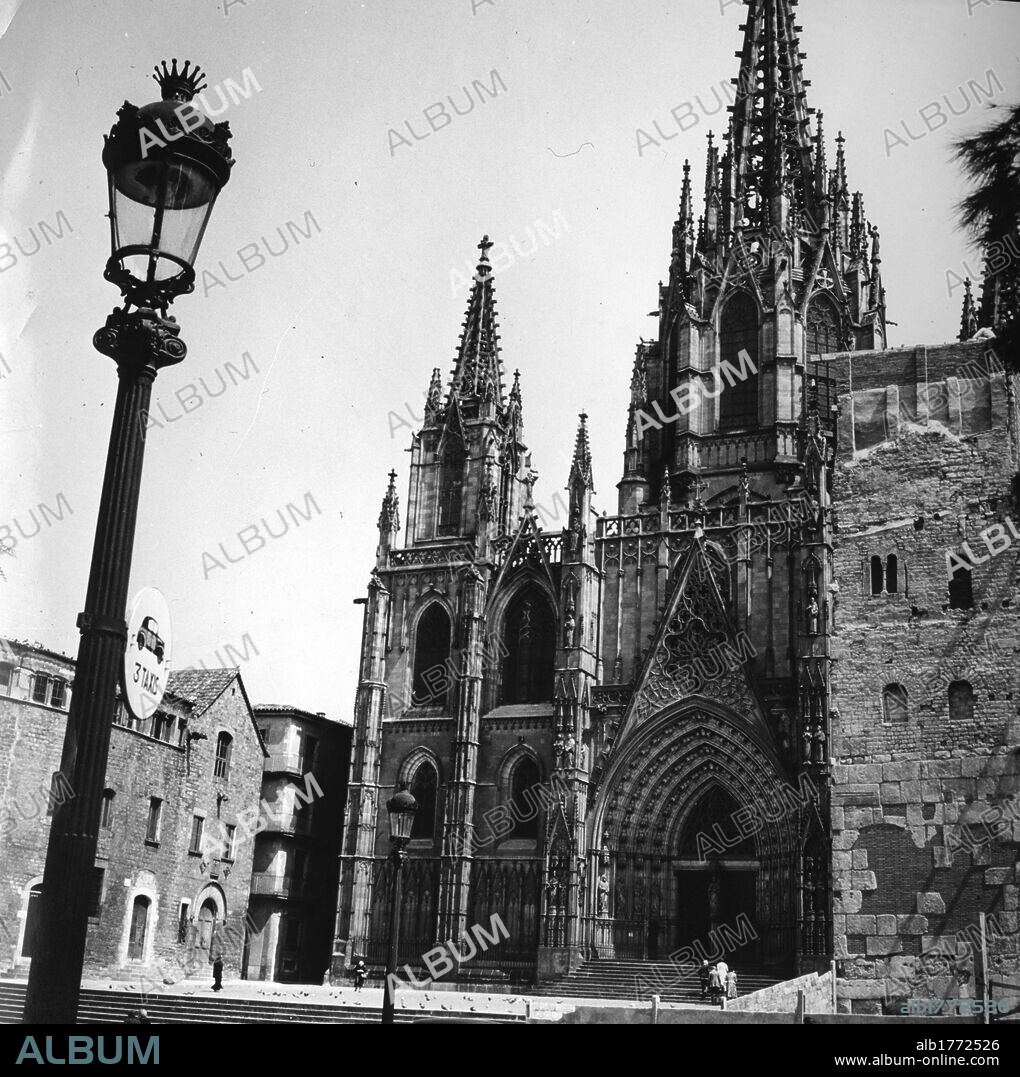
column 174, row 857
column 295, row 876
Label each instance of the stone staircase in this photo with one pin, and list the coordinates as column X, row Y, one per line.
column 112, row 1007
column 634, row 980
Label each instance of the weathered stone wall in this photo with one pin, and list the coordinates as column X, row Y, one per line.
column 925, row 810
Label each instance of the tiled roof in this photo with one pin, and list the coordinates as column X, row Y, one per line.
column 200, row 687
column 287, row 708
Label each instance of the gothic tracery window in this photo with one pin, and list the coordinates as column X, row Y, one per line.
column 431, row 654
column 530, row 641
column 822, row 327
column 738, row 334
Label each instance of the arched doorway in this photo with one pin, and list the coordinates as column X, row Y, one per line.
column 207, row 925
column 695, row 820
column 139, row 930
column 716, row 878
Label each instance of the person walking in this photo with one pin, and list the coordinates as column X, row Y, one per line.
column 703, row 976
column 723, row 971
column 360, row 975
column 731, row 984
column 217, row 971
column 715, row 985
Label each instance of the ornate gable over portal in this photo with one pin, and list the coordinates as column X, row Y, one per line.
column 696, row 653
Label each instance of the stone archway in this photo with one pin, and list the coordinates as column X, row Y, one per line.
column 696, row 794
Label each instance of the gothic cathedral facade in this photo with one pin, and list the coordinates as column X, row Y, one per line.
column 623, row 733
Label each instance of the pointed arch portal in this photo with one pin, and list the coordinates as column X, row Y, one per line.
column 702, row 834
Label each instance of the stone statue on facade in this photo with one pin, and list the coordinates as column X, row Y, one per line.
column 602, row 895
column 714, row 904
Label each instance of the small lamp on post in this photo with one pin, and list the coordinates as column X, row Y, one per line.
column 165, row 164
column 401, row 809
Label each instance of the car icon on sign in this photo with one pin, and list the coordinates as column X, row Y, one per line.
column 148, row 638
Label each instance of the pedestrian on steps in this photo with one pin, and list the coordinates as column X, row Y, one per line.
column 715, row 985
column 217, row 971
column 703, row 976
column 731, row 984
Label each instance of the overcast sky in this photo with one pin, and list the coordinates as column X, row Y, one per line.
column 346, row 324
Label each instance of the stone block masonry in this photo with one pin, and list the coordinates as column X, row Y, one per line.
column 923, row 800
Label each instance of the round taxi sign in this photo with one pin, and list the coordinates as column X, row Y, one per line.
column 147, row 657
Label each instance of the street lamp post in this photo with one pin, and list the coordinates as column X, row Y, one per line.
column 166, row 163
column 401, row 809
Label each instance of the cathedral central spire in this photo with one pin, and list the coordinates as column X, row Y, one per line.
column 772, row 145
column 477, row 375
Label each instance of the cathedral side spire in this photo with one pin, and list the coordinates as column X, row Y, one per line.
column 389, row 520
column 434, row 397
column 580, row 468
column 969, row 318
column 711, row 193
column 389, row 516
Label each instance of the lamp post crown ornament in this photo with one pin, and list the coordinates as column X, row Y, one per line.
column 179, row 85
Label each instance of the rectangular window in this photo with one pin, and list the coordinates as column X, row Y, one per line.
column 106, row 816
column 40, row 688
column 182, row 922
column 182, row 732
column 223, row 745
column 155, row 816
column 228, row 853
column 292, row 936
column 197, row 830
column 6, row 675
column 163, row 726
column 57, row 694
column 308, row 748
column 96, row 891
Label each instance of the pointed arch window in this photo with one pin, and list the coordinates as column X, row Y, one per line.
column 530, row 642
column 451, row 485
column 423, row 788
column 524, row 801
column 891, row 574
column 738, row 343
column 894, row 704
column 431, row 658
column 877, row 580
column 822, row 327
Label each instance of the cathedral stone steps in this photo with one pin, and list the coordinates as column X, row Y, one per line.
column 632, row 980
column 112, row 1007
